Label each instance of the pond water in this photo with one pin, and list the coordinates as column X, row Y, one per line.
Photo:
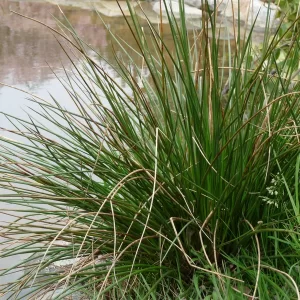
column 31, row 58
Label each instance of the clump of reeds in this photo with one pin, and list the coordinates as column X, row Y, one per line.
column 183, row 185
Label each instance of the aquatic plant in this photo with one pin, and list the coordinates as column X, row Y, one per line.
column 156, row 190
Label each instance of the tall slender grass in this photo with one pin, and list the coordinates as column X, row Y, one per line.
column 183, row 185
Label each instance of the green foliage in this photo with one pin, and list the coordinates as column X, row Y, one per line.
column 290, row 11
column 290, row 8
column 164, row 189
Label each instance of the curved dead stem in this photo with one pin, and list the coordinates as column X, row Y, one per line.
column 258, row 258
column 288, row 276
column 189, row 260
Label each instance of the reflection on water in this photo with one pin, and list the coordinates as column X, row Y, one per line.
column 27, row 47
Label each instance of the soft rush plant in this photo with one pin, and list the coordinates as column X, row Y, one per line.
column 161, row 190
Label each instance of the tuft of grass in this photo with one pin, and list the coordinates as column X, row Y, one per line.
column 180, row 185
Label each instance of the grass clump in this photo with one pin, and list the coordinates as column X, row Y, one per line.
column 182, row 185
